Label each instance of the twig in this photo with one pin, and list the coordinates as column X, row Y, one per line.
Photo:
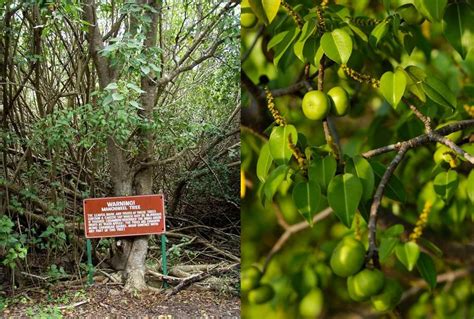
column 445, row 277
column 201, row 276
column 74, row 305
column 291, row 230
column 372, row 253
column 425, row 119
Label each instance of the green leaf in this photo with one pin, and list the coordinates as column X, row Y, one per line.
column 361, row 168
column 136, row 105
column 135, row 88
column 415, row 77
column 408, row 254
column 357, row 31
column 281, row 48
column 430, row 246
column 274, row 179
column 427, row 269
column 393, row 86
column 117, row 97
column 265, row 10
column 433, row 10
column 344, row 194
column 445, row 184
column 439, row 92
column 277, row 39
column 322, row 170
column 337, row 45
column 279, row 143
column 394, row 231
column 378, row 33
column 264, row 162
column 298, row 48
column 145, row 69
column 387, row 245
column 470, row 186
column 459, row 27
column 394, row 189
column 307, row 197
column 111, row 86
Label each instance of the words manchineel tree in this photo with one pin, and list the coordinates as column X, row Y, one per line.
column 357, row 142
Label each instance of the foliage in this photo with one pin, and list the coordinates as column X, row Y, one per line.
column 407, row 68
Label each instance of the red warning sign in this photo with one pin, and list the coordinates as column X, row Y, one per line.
column 124, row 216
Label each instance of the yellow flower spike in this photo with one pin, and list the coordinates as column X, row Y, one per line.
column 242, row 183
column 421, row 222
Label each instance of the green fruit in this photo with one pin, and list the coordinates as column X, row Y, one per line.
column 365, row 284
column 312, row 304
column 389, row 297
column 445, row 303
column 247, row 17
column 348, row 257
column 250, row 278
column 324, row 274
column 410, row 14
column 351, row 290
column 261, row 294
column 340, row 101
column 316, row 105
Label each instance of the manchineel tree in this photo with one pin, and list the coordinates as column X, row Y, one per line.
column 111, row 98
column 357, row 158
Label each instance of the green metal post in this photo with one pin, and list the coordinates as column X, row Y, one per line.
column 90, row 268
column 163, row 259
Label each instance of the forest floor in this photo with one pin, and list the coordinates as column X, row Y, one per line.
column 110, row 301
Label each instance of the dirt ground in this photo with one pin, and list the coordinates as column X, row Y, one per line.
column 109, row 301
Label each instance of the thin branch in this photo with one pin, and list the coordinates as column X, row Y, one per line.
column 291, row 230
column 372, row 253
column 454, row 147
column 425, row 119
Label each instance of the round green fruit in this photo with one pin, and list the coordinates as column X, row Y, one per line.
column 365, row 284
column 250, row 278
column 445, row 303
column 247, row 17
column 316, row 105
column 410, row 14
column 348, row 257
column 340, row 101
column 389, row 297
column 312, row 304
column 262, row 294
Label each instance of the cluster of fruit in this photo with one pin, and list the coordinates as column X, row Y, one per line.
column 317, row 104
column 258, row 293
column 347, row 260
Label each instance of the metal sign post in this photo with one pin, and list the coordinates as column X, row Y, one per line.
column 163, row 259
column 90, row 268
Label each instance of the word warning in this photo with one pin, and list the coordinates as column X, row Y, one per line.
column 124, row 216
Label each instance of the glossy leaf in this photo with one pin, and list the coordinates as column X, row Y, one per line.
column 361, row 168
column 393, row 86
column 439, row 92
column 344, row 194
column 387, row 246
column 274, row 179
column 282, row 47
column 378, row 33
column 394, row 231
column 433, row 10
column 279, row 142
column 427, row 269
column 265, row 10
column 264, row 162
column 307, row 197
column 408, row 254
column 445, row 184
column 459, row 26
column 470, row 186
column 307, row 30
column 415, row 77
column 322, row 170
column 337, row 45
column 394, row 189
